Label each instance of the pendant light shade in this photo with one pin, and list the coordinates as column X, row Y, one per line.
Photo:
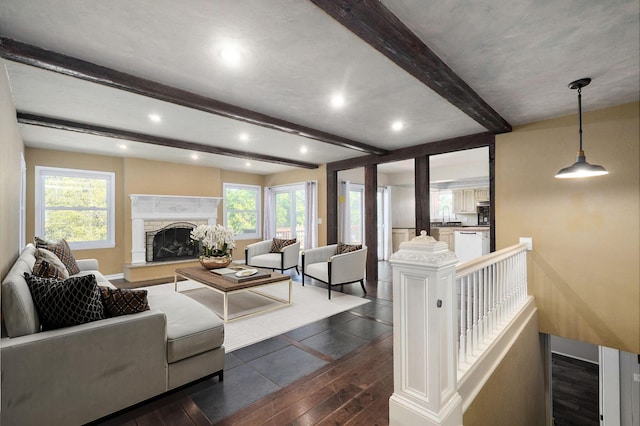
column 581, row 169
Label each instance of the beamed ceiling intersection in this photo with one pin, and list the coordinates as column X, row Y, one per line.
column 369, row 20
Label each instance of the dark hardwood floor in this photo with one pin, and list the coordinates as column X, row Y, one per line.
column 575, row 391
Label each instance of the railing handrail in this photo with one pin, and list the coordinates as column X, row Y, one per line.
column 473, row 265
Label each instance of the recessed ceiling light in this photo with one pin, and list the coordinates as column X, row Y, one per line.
column 230, row 56
column 248, row 164
column 155, row 118
column 396, row 126
column 122, row 146
column 243, row 137
column 194, row 156
column 303, row 149
column 337, row 100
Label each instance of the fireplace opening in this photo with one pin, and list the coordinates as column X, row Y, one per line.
column 173, row 242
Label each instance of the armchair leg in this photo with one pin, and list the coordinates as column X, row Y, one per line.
column 297, row 272
column 329, row 287
column 303, row 278
column 363, row 288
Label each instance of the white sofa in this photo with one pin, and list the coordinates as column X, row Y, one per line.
column 323, row 264
column 259, row 254
column 77, row 374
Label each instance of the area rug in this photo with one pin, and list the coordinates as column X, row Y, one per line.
column 310, row 304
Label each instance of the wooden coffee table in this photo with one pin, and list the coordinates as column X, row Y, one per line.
column 227, row 288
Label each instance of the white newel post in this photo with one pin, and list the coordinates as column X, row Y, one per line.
column 424, row 335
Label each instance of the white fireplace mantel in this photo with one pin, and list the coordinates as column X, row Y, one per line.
column 166, row 207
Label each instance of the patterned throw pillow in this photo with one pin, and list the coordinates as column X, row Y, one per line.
column 123, row 302
column 348, row 248
column 278, row 244
column 65, row 303
column 48, row 265
column 62, row 250
column 44, row 269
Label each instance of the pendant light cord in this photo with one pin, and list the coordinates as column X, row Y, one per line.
column 580, row 118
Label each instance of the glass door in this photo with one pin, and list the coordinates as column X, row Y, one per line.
column 290, row 211
column 356, row 207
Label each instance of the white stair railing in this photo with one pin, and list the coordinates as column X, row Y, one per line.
column 482, row 303
column 491, row 289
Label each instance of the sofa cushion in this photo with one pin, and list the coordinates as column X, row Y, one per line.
column 48, row 265
column 267, row 260
column 123, row 302
column 65, row 303
column 319, row 271
column 191, row 328
column 62, row 250
column 348, row 248
column 278, row 244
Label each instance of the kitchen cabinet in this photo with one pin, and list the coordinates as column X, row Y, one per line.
column 445, row 235
column 482, row 194
column 464, row 200
column 399, row 235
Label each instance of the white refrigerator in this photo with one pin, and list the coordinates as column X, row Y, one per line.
column 471, row 244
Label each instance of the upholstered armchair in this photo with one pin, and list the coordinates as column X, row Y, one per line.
column 325, row 265
column 272, row 254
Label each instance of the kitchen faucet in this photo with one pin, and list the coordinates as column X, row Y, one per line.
column 446, row 208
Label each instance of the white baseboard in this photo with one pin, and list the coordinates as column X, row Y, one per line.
column 119, row 276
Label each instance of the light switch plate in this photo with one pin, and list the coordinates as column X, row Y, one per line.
column 528, row 241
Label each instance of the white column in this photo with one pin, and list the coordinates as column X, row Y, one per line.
column 424, row 335
column 138, row 250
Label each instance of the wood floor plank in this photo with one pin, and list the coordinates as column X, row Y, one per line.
column 381, row 389
column 292, row 401
column 193, row 411
column 173, row 414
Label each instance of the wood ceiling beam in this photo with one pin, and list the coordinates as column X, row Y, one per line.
column 90, row 129
column 52, row 61
column 376, row 25
column 431, row 148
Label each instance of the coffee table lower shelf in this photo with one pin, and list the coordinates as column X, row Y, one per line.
column 227, row 288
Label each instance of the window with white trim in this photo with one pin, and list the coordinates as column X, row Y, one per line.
column 77, row 205
column 242, row 207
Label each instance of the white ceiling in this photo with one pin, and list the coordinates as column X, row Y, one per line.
column 517, row 55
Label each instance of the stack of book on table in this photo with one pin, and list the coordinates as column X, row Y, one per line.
column 239, row 274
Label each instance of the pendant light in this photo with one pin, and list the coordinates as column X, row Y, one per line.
column 581, row 169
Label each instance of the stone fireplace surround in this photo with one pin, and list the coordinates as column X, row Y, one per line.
column 156, row 211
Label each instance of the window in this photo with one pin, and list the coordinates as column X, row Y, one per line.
column 77, row 205
column 442, row 205
column 242, row 210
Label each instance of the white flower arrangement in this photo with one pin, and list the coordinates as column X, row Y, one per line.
column 216, row 240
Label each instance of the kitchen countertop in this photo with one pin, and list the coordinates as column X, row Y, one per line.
column 473, row 228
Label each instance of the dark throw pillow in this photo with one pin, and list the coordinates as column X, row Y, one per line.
column 123, row 302
column 62, row 250
column 347, row 248
column 73, row 301
column 278, row 244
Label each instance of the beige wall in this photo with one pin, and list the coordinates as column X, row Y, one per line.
column 110, row 259
column 161, row 178
column 505, row 401
column 10, row 148
column 302, row 175
column 584, row 269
